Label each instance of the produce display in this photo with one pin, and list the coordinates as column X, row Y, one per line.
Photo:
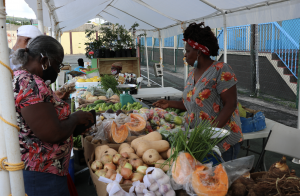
column 94, row 79
column 68, row 88
column 279, row 180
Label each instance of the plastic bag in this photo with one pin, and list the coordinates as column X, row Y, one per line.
column 109, row 93
column 104, row 130
column 121, row 119
column 137, row 188
column 158, row 182
column 238, row 167
column 113, row 188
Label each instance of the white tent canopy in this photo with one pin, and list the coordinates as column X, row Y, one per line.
column 167, row 15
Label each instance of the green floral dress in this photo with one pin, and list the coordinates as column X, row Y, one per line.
column 203, row 101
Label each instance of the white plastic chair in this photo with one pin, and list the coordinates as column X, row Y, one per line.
column 283, row 140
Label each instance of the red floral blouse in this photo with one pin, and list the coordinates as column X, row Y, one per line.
column 203, row 101
column 37, row 155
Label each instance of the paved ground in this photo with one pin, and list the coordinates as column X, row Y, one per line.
column 274, row 112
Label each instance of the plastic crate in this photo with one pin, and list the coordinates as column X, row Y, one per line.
column 86, row 84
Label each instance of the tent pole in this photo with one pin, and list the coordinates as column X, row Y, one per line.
column 40, row 15
column 4, row 175
column 9, row 137
column 147, row 63
column 185, row 65
column 225, row 38
column 257, row 60
column 161, row 60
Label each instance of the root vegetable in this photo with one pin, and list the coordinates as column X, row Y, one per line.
column 251, row 193
column 137, row 177
column 128, row 165
column 122, row 161
column 164, row 188
column 116, row 158
column 170, row 193
column 133, row 156
column 96, row 165
column 169, row 152
column 142, row 169
column 154, row 187
column 278, row 169
column 157, row 174
column 139, row 188
column 109, row 173
column 99, row 151
column 157, row 193
column 106, row 158
column 126, row 173
column 159, row 164
column 151, row 156
column 113, row 177
column 110, row 166
column 150, row 178
column 101, row 172
column 127, row 182
column 136, row 163
column 149, row 194
column 125, row 155
column 164, row 180
column 238, row 189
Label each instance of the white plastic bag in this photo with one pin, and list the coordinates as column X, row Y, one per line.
column 113, row 188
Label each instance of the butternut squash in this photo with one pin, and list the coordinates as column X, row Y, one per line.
column 110, row 151
column 164, row 154
column 144, row 145
column 133, row 156
column 151, row 156
column 127, row 149
column 99, row 151
column 123, row 145
column 153, row 136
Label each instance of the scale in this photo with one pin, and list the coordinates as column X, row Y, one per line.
column 125, row 97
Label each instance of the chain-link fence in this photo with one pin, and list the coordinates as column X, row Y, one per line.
column 264, row 58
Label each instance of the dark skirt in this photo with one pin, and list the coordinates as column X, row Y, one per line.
column 45, row 184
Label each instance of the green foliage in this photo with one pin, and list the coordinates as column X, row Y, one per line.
column 77, row 142
column 109, row 81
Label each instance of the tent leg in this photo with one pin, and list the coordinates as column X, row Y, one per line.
column 225, row 38
column 257, row 60
column 161, row 60
column 147, row 63
column 40, row 15
column 10, row 182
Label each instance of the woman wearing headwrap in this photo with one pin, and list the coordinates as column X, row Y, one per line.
column 210, row 93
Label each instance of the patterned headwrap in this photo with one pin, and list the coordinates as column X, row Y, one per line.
column 197, row 46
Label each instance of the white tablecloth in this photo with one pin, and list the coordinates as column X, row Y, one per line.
column 260, row 134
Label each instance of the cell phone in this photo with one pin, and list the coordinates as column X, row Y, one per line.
column 81, row 128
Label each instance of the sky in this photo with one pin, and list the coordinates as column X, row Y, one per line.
column 19, row 8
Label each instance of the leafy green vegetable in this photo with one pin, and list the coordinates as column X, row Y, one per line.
column 197, row 142
column 109, row 81
column 77, row 142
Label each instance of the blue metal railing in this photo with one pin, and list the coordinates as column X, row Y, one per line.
column 272, row 38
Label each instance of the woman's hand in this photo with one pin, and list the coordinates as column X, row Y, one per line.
column 84, row 117
column 162, row 104
column 62, row 95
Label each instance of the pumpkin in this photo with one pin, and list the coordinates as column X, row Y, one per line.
column 153, row 136
column 215, row 184
column 136, row 125
column 118, row 134
column 183, row 167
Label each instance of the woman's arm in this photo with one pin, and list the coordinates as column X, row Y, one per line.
column 229, row 99
column 43, row 121
column 170, row 104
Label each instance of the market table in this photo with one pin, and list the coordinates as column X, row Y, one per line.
column 158, row 92
column 263, row 134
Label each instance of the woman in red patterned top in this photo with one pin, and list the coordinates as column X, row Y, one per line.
column 210, row 93
column 45, row 120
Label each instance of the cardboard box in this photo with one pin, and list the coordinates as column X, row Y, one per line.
column 101, row 186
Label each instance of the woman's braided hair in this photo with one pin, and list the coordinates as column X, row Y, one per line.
column 203, row 35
